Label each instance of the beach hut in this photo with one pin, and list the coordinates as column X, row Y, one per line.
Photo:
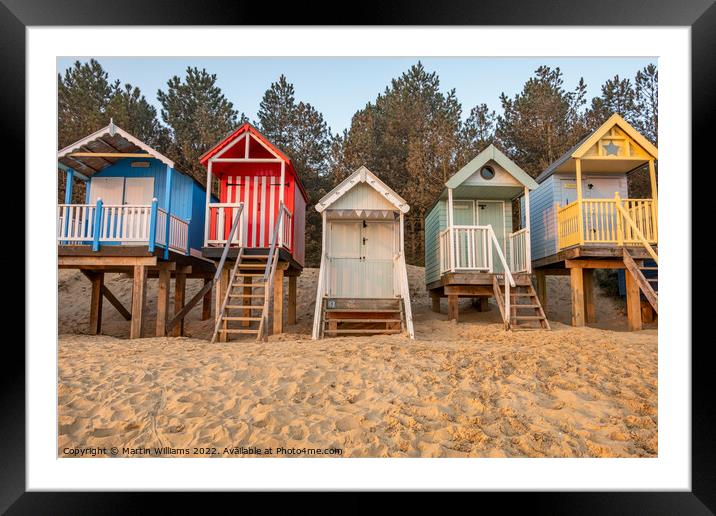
column 584, row 219
column 260, row 191
column 472, row 249
column 140, row 216
column 363, row 283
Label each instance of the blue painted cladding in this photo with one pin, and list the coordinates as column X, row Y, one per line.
column 543, row 220
column 188, row 197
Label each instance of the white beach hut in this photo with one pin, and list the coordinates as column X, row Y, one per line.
column 363, row 282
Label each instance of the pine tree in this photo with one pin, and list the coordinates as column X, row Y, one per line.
column 647, row 102
column 618, row 96
column 199, row 116
column 542, row 121
column 477, row 132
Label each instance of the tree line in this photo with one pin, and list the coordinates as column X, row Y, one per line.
column 412, row 135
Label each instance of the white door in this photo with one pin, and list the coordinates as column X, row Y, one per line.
column 378, row 242
column 344, row 256
column 139, row 190
column 109, row 189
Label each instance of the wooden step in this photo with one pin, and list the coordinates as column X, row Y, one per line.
column 237, row 318
column 370, row 310
column 649, row 268
column 251, row 266
column 249, row 275
column 652, row 280
column 362, row 320
column 515, row 305
column 528, row 317
column 245, row 307
column 252, row 285
column 254, row 257
column 373, row 331
column 247, row 295
column 236, row 330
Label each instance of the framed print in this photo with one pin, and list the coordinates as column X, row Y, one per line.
column 421, row 252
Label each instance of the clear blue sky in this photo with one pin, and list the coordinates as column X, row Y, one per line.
column 338, row 87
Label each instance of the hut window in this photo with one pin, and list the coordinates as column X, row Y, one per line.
column 487, row 173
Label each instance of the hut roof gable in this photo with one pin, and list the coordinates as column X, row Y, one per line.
column 363, row 176
column 491, row 153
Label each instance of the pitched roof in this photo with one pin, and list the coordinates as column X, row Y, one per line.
column 233, row 135
column 362, row 175
column 491, row 153
column 579, row 149
column 109, row 139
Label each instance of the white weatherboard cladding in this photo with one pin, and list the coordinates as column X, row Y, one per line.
column 362, row 197
column 360, row 259
column 502, row 177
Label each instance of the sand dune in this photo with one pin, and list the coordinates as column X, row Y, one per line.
column 458, row 390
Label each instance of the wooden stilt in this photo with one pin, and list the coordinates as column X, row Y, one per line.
column 163, row 300
column 206, row 303
column 647, row 312
column 542, row 287
column 220, row 292
column 179, row 296
column 452, row 307
column 95, row 325
column 278, row 301
column 247, row 301
column 589, row 310
column 633, row 301
column 292, row 299
column 435, row 305
column 139, row 288
column 482, row 304
column 577, row 280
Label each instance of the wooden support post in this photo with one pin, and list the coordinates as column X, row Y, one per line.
column 278, row 301
column 580, row 216
column 542, row 287
column 95, row 325
column 647, row 311
column 292, row 299
column 139, row 289
column 577, row 280
column 220, row 292
column 483, row 304
column 589, row 310
column 247, row 301
column 206, row 303
column 435, row 305
column 179, row 296
column 163, row 300
column 633, row 301
column 452, row 308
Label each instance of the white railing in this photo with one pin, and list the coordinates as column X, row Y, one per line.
column 221, row 214
column 520, row 259
column 120, row 223
column 285, row 235
column 75, row 222
column 178, row 231
column 465, row 248
column 125, row 223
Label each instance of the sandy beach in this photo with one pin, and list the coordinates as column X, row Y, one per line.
column 457, row 390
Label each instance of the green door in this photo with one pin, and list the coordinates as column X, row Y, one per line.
column 463, row 215
column 493, row 213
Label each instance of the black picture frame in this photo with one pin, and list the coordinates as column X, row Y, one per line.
column 700, row 15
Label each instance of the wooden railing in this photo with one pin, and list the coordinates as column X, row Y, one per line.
column 465, row 248
column 120, row 223
column 286, row 230
column 75, row 222
column 520, row 259
column 221, row 214
column 568, row 225
column 178, row 231
column 601, row 221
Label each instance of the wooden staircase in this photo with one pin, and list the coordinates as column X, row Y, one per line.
column 648, row 281
column 362, row 317
column 526, row 311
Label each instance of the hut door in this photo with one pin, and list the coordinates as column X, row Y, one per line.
column 378, row 243
column 493, row 213
column 344, row 254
